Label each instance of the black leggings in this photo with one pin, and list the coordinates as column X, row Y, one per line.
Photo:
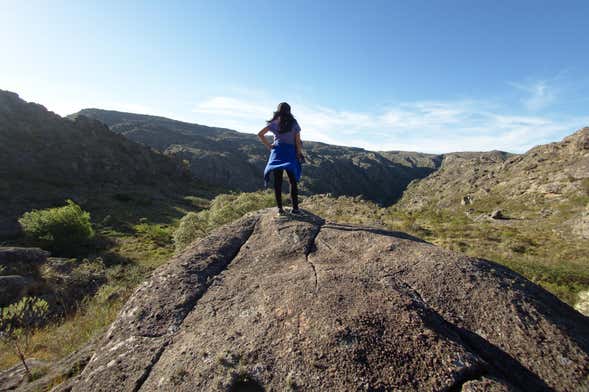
column 278, row 188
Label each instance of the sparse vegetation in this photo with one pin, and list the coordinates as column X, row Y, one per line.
column 140, row 239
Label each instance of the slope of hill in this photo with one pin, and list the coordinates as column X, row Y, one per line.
column 229, row 158
column 543, row 200
column 331, row 307
column 45, row 159
column 549, row 180
column 546, row 174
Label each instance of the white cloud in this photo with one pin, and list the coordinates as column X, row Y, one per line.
column 427, row 126
column 539, row 94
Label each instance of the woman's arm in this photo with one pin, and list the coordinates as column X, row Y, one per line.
column 298, row 144
column 263, row 138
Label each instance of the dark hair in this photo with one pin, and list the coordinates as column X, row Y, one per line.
column 287, row 120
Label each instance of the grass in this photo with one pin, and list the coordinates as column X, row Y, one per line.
column 61, row 338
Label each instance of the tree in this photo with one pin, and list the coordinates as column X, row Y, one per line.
column 17, row 323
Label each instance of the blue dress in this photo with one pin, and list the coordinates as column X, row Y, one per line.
column 283, row 156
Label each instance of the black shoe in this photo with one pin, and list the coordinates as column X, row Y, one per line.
column 280, row 212
column 295, row 211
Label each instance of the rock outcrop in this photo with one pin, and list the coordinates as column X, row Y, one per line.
column 303, row 304
column 16, row 260
column 61, row 282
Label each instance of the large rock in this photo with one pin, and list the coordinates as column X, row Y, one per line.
column 12, row 288
column 15, row 260
column 268, row 304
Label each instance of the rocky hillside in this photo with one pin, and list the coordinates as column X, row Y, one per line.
column 229, row 158
column 45, row 159
column 332, row 307
column 547, row 174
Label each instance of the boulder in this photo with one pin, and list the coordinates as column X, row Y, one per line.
column 266, row 304
column 466, row 200
column 14, row 376
column 497, row 214
column 12, row 288
column 21, row 260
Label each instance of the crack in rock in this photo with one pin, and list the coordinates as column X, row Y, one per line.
column 311, row 247
column 141, row 380
column 191, row 305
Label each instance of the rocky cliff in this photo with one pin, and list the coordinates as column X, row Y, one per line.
column 304, row 304
column 232, row 159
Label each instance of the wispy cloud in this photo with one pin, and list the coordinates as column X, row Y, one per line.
column 428, row 126
column 538, row 94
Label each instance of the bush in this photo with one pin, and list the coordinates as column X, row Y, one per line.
column 192, row 226
column 61, row 229
column 224, row 209
column 17, row 323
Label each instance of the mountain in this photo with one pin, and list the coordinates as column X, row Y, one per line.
column 548, row 181
column 332, row 307
column 45, row 159
column 553, row 171
column 236, row 160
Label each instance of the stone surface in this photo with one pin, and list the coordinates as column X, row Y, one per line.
column 15, row 260
column 61, row 282
column 14, row 376
column 497, row 214
column 12, row 288
column 302, row 304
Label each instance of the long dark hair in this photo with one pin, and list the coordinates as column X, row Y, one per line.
column 287, row 120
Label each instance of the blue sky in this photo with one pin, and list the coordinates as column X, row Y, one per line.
column 432, row 76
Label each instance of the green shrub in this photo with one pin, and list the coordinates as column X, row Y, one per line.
column 192, row 226
column 223, row 209
column 61, row 229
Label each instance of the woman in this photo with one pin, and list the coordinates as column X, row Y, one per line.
column 286, row 153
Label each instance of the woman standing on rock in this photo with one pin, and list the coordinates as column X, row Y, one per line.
column 286, row 153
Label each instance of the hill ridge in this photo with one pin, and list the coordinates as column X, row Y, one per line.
column 234, row 159
column 45, row 159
